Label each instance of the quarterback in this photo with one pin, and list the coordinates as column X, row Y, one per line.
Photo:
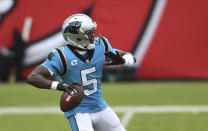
column 81, row 61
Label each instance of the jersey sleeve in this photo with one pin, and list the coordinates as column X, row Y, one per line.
column 53, row 62
column 109, row 49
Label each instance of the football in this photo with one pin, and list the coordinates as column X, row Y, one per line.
column 69, row 102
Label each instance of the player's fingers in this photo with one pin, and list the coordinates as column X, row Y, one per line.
column 71, row 87
column 68, row 91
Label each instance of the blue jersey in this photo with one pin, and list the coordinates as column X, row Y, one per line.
column 86, row 72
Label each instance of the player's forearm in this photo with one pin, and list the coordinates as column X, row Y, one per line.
column 40, row 78
column 121, row 58
column 39, row 81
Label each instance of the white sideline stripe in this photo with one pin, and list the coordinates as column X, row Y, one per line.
column 29, row 110
column 161, row 109
column 118, row 109
column 126, row 118
column 127, row 110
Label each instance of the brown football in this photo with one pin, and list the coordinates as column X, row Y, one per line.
column 69, row 102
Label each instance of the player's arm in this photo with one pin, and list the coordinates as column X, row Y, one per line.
column 118, row 57
column 121, row 58
column 40, row 77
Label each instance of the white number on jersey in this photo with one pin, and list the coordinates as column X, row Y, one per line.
column 87, row 82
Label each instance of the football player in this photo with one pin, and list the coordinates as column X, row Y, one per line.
column 81, row 61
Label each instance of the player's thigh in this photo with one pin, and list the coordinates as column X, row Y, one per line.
column 80, row 122
column 108, row 121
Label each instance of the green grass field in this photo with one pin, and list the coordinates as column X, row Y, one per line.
column 137, row 94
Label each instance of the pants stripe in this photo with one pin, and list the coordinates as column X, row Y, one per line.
column 73, row 123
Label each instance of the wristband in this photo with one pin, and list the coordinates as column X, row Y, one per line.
column 129, row 60
column 54, row 85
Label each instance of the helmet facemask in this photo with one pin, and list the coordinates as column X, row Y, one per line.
column 90, row 36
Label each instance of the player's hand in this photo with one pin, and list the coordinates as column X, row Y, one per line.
column 116, row 58
column 130, row 60
column 67, row 88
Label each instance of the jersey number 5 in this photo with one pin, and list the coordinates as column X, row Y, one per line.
column 87, row 82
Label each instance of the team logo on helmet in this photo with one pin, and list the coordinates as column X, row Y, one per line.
column 73, row 27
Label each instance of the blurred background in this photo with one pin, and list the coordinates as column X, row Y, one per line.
column 168, row 37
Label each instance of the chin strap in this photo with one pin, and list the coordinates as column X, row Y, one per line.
column 92, row 46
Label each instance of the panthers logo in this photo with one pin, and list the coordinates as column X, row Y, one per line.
column 73, row 27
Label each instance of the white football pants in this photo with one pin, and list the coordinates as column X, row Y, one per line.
column 105, row 120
